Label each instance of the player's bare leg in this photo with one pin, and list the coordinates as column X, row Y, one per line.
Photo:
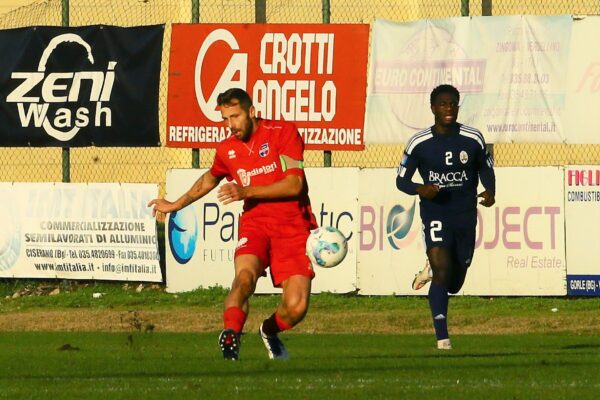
column 291, row 310
column 247, row 272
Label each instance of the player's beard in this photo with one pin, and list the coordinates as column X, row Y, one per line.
column 246, row 131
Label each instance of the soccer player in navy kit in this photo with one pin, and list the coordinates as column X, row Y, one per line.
column 451, row 159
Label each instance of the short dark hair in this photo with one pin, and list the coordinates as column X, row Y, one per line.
column 230, row 96
column 443, row 89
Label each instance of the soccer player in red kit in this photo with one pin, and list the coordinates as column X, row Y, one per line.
column 262, row 162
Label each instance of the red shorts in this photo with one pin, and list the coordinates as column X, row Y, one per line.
column 282, row 247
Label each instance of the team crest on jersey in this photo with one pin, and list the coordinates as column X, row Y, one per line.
column 464, row 157
column 263, row 151
column 231, row 154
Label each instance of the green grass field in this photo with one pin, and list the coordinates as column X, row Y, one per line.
column 69, row 365
column 157, row 345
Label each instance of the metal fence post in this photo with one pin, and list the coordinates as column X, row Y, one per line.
column 260, row 11
column 486, row 7
column 464, row 8
column 195, row 20
column 486, row 10
column 326, row 18
column 66, row 151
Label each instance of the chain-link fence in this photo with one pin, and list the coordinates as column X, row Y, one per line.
column 94, row 164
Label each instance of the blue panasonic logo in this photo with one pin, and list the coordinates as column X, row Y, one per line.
column 183, row 233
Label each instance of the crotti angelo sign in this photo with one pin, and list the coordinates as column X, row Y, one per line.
column 313, row 75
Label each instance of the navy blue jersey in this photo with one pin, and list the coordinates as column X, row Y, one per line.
column 454, row 161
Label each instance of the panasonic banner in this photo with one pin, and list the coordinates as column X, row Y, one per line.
column 201, row 238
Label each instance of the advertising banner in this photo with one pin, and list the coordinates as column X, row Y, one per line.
column 99, row 231
column 80, row 86
column 390, row 244
column 511, row 72
column 311, row 74
column 519, row 248
column 583, row 83
column 202, row 237
column 582, row 211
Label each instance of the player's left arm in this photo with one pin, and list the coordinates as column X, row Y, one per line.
column 487, row 177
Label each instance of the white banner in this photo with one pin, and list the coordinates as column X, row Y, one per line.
column 201, row 238
column 511, row 72
column 583, row 82
column 78, row 231
column 582, row 210
column 520, row 247
column 520, row 240
column 391, row 247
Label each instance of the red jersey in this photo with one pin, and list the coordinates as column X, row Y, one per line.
column 258, row 163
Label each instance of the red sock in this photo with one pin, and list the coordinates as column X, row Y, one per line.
column 281, row 324
column 234, row 318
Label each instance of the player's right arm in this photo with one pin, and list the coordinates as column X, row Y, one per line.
column 199, row 189
column 404, row 182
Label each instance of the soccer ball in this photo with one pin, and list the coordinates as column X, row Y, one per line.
column 326, row 247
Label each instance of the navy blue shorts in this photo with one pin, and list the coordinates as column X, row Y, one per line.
column 456, row 233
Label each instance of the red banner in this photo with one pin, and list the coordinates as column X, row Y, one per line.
column 311, row 74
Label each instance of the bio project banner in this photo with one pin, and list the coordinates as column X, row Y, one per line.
column 582, row 226
column 511, row 72
column 313, row 75
column 201, row 238
column 390, row 241
column 80, row 86
column 519, row 248
column 78, row 231
column 520, row 243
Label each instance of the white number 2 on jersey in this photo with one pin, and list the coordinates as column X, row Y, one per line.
column 436, row 226
column 448, row 158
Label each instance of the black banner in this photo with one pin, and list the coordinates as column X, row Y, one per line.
column 80, row 86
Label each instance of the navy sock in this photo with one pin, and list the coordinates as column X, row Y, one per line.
column 438, row 302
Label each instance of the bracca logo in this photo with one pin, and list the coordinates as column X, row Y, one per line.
column 49, row 100
column 399, row 222
column 183, row 233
